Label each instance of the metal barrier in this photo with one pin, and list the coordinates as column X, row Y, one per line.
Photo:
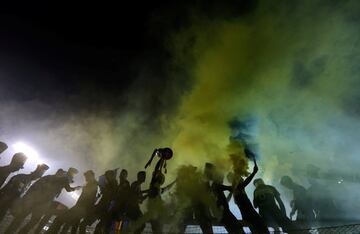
column 195, row 229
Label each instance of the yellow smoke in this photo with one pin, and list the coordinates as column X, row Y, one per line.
column 237, row 156
column 249, row 65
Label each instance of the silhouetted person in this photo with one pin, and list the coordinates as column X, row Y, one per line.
column 117, row 207
column 102, row 208
column 202, row 213
column 38, row 199
column 154, row 194
column 17, row 186
column 156, row 210
column 265, row 198
column 122, row 194
column 133, row 211
column 17, row 163
column 248, row 213
column 229, row 221
column 301, row 202
column 195, row 198
column 124, row 184
column 72, row 217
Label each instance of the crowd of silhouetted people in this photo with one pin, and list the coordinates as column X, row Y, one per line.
column 114, row 205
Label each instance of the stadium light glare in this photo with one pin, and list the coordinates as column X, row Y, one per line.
column 29, row 151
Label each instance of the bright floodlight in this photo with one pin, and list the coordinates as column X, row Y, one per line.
column 28, row 151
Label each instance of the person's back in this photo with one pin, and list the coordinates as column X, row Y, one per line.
column 303, row 203
column 300, row 193
column 247, row 211
column 264, row 197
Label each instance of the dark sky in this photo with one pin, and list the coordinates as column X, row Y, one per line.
column 90, row 53
column 66, row 50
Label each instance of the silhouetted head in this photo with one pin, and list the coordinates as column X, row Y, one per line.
column 123, row 174
column 89, row 176
column 110, row 176
column 258, row 182
column 165, row 153
column 60, row 173
column 72, row 172
column 40, row 170
column 286, row 181
column 141, row 176
column 18, row 161
column 3, row 147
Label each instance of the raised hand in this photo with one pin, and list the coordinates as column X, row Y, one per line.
column 256, row 168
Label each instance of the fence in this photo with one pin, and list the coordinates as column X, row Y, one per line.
column 353, row 228
column 340, row 229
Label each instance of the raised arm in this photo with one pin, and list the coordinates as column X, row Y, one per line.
column 251, row 176
column 151, row 158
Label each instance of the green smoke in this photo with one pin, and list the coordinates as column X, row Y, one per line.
column 294, row 65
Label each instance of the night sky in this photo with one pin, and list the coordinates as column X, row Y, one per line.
column 50, row 52
column 86, row 56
